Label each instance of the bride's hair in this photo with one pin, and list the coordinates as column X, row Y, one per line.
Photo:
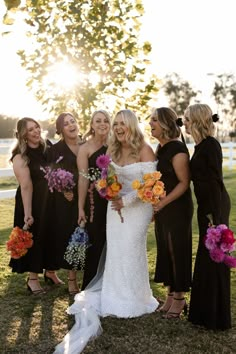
column 134, row 136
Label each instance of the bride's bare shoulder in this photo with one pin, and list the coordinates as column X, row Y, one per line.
column 146, row 153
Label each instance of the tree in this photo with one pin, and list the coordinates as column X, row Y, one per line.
column 179, row 92
column 224, row 93
column 99, row 41
column 8, row 125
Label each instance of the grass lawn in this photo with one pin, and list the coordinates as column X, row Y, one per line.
column 34, row 325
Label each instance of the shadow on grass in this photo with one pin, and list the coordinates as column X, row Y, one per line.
column 32, row 323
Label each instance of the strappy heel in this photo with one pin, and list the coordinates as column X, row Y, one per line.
column 50, row 280
column 162, row 309
column 34, row 292
column 75, row 291
column 171, row 314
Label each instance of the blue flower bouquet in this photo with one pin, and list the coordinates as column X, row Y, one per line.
column 75, row 253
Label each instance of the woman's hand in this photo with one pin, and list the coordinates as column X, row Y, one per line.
column 157, row 207
column 69, row 195
column 29, row 220
column 82, row 216
column 117, row 204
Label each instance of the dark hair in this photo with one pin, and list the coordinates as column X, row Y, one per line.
column 167, row 119
column 60, row 121
column 215, row 117
column 179, row 122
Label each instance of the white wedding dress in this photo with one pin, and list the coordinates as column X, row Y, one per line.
column 121, row 288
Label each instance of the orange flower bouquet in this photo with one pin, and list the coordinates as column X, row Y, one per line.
column 20, row 240
column 151, row 189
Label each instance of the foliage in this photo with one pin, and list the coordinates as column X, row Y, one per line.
column 224, row 93
column 7, row 127
column 179, row 92
column 98, row 39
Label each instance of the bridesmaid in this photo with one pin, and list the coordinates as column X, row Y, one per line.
column 173, row 218
column 27, row 157
column 210, row 296
column 62, row 208
column 93, row 214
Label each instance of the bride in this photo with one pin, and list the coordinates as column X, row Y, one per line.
column 121, row 287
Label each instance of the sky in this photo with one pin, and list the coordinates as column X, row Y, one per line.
column 191, row 38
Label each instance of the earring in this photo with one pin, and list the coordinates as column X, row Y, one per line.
column 92, row 131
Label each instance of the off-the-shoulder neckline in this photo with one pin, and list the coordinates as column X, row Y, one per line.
column 134, row 163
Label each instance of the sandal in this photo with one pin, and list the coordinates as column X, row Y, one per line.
column 170, row 314
column 163, row 308
column 37, row 291
column 55, row 280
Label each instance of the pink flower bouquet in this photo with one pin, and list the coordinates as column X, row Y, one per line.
column 220, row 241
column 58, row 179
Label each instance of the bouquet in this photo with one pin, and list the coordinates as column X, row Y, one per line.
column 107, row 185
column 58, row 179
column 75, row 253
column 219, row 240
column 20, row 240
column 151, row 189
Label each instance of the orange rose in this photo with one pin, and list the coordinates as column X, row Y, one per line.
column 136, row 184
column 116, row 187
column 147, row 176
column 156, row 175
column 149, row 183
column 158, row 190
column 101, row 183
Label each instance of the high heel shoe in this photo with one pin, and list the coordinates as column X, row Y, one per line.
column 53, row 281
column 172, row 314
column 36, row 291
column 76, row 290
column 163, row 308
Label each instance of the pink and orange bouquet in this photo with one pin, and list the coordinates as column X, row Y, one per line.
column 20, row 240
column 107, row 184
column 151, row 189
column 220, row 240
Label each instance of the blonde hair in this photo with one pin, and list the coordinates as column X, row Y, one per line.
column 21, row 135
column 134, row 137
column 167, row 119
column 200, row 121
column 90, row 131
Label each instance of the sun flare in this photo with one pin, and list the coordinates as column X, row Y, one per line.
column 63, row 75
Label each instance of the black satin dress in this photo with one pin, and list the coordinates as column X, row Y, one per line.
column 97, row 227
column 62, row 215
column 33, row 260
column 173, row 226
column 210, row 295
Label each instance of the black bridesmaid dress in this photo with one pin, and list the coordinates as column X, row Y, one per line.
column 173, row 226
column 96, row 227
column 33, row 260
column 62, row 215
column 210, row 295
